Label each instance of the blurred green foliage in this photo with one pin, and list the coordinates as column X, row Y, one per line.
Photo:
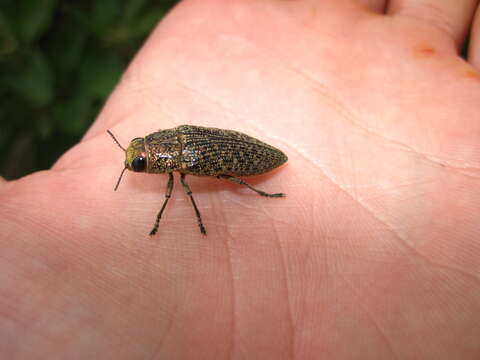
column 59, row 60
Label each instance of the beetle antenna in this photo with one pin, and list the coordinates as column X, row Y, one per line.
column 116, row 141
column 120, row 178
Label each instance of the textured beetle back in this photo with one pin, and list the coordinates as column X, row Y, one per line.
column 212, row 152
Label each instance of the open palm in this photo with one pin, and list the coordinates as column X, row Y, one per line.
column 373, row 254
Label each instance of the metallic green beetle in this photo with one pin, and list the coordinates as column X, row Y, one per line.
column 200, row 151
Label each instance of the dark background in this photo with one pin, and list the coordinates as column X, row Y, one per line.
column 59, row 60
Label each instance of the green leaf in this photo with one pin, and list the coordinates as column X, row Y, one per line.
column 65, row 49
column 105, row 14
column 132, row 10
column 35, row 82
column 34, row 18
column 44, row 126
column 99, row 73
column 73, row 116
column 8, row 43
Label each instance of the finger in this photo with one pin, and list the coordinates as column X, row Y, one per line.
column 451, row 18
column 474, row 46
column 373, row 5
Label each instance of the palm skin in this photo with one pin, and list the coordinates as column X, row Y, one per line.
column 373, row 254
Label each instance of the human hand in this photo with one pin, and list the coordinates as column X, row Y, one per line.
column 373, row 254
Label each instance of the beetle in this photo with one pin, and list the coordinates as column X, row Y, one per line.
column 200, row 151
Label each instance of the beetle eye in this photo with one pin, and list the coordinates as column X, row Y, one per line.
column 138, row 164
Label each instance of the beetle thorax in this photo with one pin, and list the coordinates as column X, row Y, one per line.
column 163, row 156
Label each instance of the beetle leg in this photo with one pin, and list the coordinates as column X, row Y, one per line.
column 189, row 193
column 241, row 182
column 168, row 193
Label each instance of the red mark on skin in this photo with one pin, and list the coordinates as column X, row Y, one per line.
column 472, row 74
column 424, row 51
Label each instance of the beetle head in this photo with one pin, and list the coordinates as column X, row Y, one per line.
column 135, row 155
column 135, row 158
